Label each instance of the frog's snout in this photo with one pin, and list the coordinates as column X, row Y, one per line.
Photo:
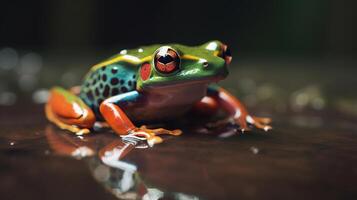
column 219, row 71
column 226, row 54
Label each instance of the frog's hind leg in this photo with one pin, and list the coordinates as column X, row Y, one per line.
column 206, row 106
column 69, row 112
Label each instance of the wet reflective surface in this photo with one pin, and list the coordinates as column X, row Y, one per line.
column 310, row 154
column 40, row 161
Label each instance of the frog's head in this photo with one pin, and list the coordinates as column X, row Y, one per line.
column 174, row 64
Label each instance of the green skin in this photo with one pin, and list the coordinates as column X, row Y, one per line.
column 161, row 96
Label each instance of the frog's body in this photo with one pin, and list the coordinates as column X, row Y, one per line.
column 157, row 82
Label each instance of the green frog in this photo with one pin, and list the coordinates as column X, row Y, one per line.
column 151, row 83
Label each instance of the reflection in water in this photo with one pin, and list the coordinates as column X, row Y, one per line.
column 106, row 163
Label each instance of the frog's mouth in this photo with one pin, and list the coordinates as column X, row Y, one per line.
column 186, row 83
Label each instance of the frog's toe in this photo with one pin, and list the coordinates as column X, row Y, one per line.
column 243, row 125
column 243, row 129
column 260, row 122
column 264, row 120
column 150, row 135
column 154, row 140
column 162, row 131
column 82, row 131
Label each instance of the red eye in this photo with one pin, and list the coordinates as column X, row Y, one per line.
column 167, row 60
column 226, row 54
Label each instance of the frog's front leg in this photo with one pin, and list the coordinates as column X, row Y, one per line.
column 237, row 110
column 69, row 112
column 112, row 111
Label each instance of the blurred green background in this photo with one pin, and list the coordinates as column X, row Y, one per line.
column 288, row 55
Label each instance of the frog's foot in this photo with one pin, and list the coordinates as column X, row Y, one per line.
column 69, row 112
column 150, row 135
column 244, row 123
column 259, row 122
column 56, row 120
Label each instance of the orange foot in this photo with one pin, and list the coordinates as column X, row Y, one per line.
column 150, row 135
column 244, row 122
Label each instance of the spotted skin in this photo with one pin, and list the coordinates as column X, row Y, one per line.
column 105, row 82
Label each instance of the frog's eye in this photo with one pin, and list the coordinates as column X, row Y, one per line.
column 166, row 60
column 226, row 54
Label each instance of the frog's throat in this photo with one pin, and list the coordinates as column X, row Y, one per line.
column 183, row 83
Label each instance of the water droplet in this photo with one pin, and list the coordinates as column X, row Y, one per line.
column 254, row 150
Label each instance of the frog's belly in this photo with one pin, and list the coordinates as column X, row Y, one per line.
column 166, row 104
column 153, row 114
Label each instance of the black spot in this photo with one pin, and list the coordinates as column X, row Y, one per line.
column 103, row 68
column 90, row 95
column 134, row 83
column 129, row 83
column 134, row 76
column 115, row 91
column 114, row 70
column 122, row 82
column 114, row 81
column 99, row 101
column 94, row 82
column 100, row 85
column 96, row 92
column 106, row 91
column 87, row 84
column 98, row 77
column 123, row 89
column 104, row 77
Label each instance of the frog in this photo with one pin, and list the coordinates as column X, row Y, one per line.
column 159, row 82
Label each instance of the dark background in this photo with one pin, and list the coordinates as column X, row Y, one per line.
column 280, row 48
column 301, row 28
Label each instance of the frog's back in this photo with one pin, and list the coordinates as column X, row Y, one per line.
column 105, row 82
